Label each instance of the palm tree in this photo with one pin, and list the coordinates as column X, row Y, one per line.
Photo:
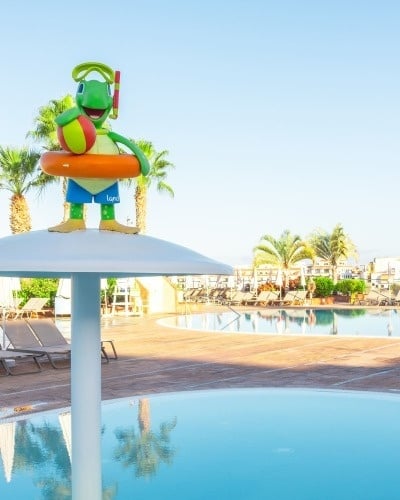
column 45, row 126
column 20, row 173
column 282, row 253
column 46, row 132
column 332, row 247
column 159, row 166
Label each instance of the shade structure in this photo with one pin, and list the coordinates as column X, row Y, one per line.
column 86, row 257
column 107, row 253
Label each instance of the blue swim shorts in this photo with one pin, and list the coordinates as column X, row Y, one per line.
column 77, row 194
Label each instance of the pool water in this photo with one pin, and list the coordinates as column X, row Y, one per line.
column 343, row 322
column 224, row 444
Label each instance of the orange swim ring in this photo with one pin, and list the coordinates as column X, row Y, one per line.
column 88, row 166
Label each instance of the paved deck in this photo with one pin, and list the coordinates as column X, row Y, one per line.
column 155, row 359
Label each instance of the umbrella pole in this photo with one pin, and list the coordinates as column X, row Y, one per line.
column 86, row 387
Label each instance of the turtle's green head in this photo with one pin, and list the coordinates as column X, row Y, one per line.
column 93, row 97
column 94, row 100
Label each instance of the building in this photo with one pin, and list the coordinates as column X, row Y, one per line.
column 384, row 272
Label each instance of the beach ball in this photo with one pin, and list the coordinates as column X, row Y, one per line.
column 78, row 136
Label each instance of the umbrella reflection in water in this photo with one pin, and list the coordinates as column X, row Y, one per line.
column 7, row 447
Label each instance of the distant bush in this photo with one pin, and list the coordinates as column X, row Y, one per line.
column 38, row 287
column 350, row 286
column 107, row 294
column 323, row 286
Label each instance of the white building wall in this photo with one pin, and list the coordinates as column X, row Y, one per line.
column 162, row 296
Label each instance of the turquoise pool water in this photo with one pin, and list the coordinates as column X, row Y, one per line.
column 280, row 444
column 346, row 322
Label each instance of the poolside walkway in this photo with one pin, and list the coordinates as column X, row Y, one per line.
column 153, row 359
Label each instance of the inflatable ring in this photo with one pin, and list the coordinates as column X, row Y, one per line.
column 88, row 166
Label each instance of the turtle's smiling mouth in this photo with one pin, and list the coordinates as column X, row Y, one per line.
column 94, row 114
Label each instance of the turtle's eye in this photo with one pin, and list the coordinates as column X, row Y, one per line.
column 81, row 88
column 109, row 89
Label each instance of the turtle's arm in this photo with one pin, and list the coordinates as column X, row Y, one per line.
column 144, row 163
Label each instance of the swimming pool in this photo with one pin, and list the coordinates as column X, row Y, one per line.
column 343, row 322
column 235, row 444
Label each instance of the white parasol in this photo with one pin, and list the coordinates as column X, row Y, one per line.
column 255, row 279
column 279, row 282
column 302, row 278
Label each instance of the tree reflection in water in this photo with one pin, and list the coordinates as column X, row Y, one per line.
column 39, row 448
column 145, row 450
column 41, row 452
column 58, row 485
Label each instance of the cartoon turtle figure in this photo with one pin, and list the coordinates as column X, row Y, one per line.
column 91, row 158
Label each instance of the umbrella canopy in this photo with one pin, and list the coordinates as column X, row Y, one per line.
column 106, row 253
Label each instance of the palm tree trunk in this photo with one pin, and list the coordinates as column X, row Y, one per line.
column 66, row 204
column 141, row 207
column 20, row 218
column 334, row 274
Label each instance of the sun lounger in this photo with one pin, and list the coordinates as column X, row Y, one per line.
column 53, row 345
column 50, row 336
column 248, row 298
column 300, row 297
column 265, row 298
column 10, row 311
column 33, row 307
column 235, row 299
column 6, row 356
column 261, row 299
column 23, row 339
column 224, row 296
column 375, row 298
column 289, row 298
column 294, row 297
column 396, row 299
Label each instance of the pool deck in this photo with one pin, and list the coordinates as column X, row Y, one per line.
column 156, row 359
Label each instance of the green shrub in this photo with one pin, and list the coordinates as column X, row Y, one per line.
column 38, row 287
column 323, row 286
column 350, row 286
column 107, row 294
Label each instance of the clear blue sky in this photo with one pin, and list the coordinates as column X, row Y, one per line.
column 277, row 115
